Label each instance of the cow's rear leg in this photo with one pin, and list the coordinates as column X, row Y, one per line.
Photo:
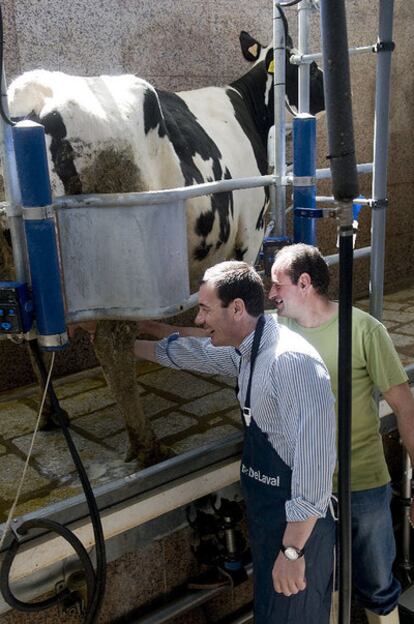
column 114, row 347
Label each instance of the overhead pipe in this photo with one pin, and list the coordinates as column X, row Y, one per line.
column 338, row 102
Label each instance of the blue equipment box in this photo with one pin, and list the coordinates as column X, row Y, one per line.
column 16, row 309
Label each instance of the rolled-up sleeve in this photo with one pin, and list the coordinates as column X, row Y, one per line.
column 197, row 354
column 307, row 403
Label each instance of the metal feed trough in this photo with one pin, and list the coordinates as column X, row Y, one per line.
column 125, row 256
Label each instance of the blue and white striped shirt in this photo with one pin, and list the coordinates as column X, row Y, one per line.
column 291, row 402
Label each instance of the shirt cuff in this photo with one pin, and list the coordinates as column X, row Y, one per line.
column 163, row 351
column 298, row 509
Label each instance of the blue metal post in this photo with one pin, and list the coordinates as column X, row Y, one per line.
column 304, row 179
column 33, row 173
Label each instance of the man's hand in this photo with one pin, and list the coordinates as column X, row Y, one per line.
column 289, row 576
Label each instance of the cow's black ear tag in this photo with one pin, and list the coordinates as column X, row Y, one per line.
column 250, row 47
column 271, row 67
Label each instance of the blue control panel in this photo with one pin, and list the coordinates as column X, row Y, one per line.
column 16, row 308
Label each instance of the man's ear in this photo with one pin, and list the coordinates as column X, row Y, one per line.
column 239, row 307
column 304, row 281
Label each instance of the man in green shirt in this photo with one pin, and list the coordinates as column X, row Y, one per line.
column 300, row 281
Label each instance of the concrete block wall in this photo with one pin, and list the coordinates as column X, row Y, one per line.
column 182, row 45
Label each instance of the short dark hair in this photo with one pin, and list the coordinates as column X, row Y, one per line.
column 301, row 258
column 237, row 280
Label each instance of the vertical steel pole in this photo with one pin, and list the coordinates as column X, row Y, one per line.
column 381, row 139
column 304, row 10
column 277, row 145
column 279, row 51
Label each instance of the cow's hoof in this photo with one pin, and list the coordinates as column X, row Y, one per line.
column 149, row 457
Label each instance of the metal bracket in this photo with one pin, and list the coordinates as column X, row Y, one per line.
column 310, row 213
column 38, row 213
column 304, row 180
column 379, row 204
column 384, row 46
column 247, row 415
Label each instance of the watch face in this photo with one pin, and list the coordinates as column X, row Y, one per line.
column 291, row 553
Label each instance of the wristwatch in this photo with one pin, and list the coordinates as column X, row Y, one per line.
column 291, row 553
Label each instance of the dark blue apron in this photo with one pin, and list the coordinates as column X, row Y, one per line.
column 266, row 486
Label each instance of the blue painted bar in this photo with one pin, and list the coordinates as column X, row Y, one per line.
column 304, row 166
column 31, row 158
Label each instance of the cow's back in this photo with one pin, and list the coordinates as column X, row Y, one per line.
column 95, row 131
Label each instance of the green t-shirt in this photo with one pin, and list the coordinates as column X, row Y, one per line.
column 375, row 364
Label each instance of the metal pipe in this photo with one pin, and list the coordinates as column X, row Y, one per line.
column 279, row 92
column 322, row 174
column 381, row 138
column 161, row 197
column 304, row 9
column 323, row 199
column 363, row 252
column 298, row 59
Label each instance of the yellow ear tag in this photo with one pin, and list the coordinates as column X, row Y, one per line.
column 271, row 68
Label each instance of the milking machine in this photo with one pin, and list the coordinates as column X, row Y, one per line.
column 36, row 309
column 221, row 546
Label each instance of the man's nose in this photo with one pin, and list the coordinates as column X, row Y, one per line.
column 272, row 292
column 199, row 319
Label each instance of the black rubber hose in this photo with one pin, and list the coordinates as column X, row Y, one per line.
column 10, row 554
column 345, row 422
column 58, row 413
column 338, row 100
column 100, row 577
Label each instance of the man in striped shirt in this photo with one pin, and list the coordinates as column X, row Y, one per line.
column 289, row 447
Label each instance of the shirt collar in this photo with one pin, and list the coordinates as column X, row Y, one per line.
column 270, row 333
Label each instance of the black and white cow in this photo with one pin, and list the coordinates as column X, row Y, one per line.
column 120, row 134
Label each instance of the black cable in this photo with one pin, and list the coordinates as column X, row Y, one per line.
column 288, row 4
column 9, row 556
column 3, row 113
column 99, row 580
column 92, row 507
column 57, row 412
